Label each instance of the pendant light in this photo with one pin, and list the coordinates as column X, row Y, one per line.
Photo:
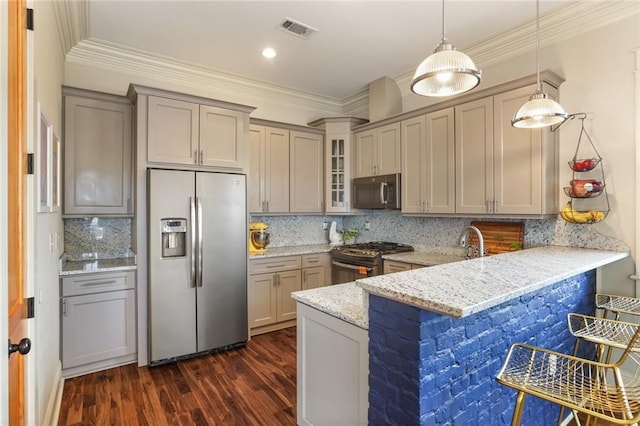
column 446, row 71
column 540, row 110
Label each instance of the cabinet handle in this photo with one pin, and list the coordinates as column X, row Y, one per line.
column 267, row 206
column 304, row 277
column 192, row 211
column 282, row 265
column 316, row 260
column 201, row 157
column 64, row 307
column 495, row 206
column 102, row 282
column 488, row 206
column 200, row 249
column 195, row 156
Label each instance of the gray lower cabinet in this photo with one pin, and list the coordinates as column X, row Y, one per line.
column 98, row 321
column 333, row 370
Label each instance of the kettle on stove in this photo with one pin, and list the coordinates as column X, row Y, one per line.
column 258, row 237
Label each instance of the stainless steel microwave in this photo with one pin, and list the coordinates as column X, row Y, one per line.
column 377, row 192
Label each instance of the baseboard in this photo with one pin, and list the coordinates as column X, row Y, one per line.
column 55, row 399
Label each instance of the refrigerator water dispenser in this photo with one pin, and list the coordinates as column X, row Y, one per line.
column 174, row 237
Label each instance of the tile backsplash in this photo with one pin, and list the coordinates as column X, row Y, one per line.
column 111, row 237
column 427, row 231
column 103, row 237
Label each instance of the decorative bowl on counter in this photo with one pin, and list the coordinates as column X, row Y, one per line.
column 584, row 165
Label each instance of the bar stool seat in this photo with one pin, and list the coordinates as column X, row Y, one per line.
column 591, row 387
column 602, row 331
column 618, row 304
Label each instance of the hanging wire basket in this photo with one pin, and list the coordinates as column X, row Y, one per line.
column 588, row 183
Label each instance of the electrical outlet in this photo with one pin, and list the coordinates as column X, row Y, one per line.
column 325, row 226
column 98, row 233
column 367, row 226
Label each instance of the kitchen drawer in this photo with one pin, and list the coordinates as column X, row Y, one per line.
column 312, row 260
column 274, row 264
column 97, row 283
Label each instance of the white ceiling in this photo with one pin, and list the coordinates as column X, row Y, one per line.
column 357, row 41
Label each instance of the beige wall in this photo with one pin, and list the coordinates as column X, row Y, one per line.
column 46, row 81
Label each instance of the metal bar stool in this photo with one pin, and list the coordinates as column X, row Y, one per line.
column 594, row 388
column 617, row 304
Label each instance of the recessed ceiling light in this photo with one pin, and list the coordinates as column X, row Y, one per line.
column 269, row 53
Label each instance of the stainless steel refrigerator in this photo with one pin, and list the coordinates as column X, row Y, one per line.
column 197, row 227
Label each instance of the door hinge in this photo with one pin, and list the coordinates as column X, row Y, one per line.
column 30, row 19
column 30, row 163
column 30, row 307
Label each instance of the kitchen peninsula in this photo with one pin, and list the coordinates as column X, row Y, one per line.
column 436, row 337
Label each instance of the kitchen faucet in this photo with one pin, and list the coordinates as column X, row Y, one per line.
column 465, row 233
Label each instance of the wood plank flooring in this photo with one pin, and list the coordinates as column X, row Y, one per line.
column 252, row 385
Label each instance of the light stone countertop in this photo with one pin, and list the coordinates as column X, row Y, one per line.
column 424, row 258
column 89, row 266
column 463, row 288
column 343, row 301
column 292, row 251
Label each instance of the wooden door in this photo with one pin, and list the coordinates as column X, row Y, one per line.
column 222, row 141
column 262, row 300
column 439, row 164
column 307, row 170
column 517, row 158
column 288, row 282
column 413, row 165
column 365, row 153
column 388, row 150
column 97, row 154
column 474, row 156
column 256, row 173
column 277, row 170
column 15, row 200
column 314, row 277
column 173, row 131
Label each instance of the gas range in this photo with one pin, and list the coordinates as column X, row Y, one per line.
column 371, row 249
column 355, row 261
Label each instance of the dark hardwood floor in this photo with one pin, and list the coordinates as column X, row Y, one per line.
column 252, row 385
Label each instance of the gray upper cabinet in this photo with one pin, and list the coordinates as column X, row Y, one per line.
column 173, row 131
column 97, row 154
column 502, row 170
column 188, row 133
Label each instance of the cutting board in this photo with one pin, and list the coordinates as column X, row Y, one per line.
column 499, row 236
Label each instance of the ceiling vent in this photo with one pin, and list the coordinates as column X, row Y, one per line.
column 296, row 28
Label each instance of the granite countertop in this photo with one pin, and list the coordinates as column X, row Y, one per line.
column 87, row 266
column 463, row 288
column 424, row 258
column 292, row 251
column 344, row 301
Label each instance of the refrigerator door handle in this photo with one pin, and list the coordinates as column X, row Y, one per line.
column 192, row 211
column 200, row 263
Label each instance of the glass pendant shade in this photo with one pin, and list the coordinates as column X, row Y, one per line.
column 446, row 72
column 539, row 111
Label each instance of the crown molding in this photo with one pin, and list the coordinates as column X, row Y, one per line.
column 562, row 23
column 100, row 54
column 72, row 20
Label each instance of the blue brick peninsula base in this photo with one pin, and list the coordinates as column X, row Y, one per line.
column 431, row 369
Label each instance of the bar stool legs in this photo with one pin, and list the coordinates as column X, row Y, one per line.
column 593, row 388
